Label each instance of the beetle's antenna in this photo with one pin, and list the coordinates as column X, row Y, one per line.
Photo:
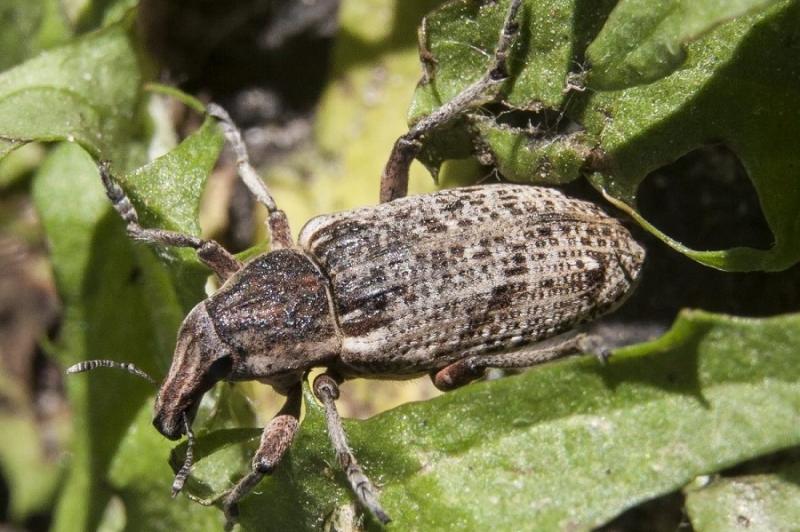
column 186, row 468
column 88, row 365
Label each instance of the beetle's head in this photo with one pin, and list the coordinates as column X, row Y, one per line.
column 201, row 360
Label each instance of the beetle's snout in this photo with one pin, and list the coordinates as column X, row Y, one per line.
column 169, row 426
column 200, row 360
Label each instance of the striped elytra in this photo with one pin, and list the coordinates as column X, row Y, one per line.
column 423, row 281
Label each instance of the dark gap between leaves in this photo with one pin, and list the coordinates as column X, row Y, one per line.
column 706, row 201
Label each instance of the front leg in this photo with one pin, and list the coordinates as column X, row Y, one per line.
column 209, row 252
column 275, row 440
column 326, row 389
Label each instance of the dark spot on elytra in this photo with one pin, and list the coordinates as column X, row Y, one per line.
column 518, row 270
column 481, row 254
column 594, row 277
column 544, row 231
column 519, row 259
column 433, row 225
column 457, row 250
column 457, row 205
column 500, row 298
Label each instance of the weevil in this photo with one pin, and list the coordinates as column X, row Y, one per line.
column 447, row 284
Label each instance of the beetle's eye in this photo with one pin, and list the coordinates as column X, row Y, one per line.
column 220, row 368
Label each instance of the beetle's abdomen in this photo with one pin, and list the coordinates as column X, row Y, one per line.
column 425, row 280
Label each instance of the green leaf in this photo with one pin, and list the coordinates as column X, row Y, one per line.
column 569, row 444
column 751, row 502
column 30, row 474
column 166, row 192
column 99, row 281
column 544, row 132
column 644, row 41
column 28, row 26
column 141, row 475
column 120, row 302
column 90, row 90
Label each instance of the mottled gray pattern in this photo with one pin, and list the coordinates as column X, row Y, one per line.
column 423, row 281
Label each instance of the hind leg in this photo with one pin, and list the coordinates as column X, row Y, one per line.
column 472, row 367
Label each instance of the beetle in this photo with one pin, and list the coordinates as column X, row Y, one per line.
column 446, row 284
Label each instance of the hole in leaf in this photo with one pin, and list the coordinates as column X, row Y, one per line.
column 706, row 201
column 539, row 123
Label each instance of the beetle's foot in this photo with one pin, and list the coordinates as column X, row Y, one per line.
column 595, row 345
column 213, row 501
column 231, row 511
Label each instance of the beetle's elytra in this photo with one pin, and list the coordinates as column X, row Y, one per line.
column 421, row 282
column 448, row 284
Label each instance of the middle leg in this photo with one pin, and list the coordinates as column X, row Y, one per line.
column 326, row 388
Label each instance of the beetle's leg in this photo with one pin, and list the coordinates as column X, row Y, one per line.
column 470, row 368
column 277, row 223
column 326, row 389
column 394, row 179
column 275, row 440
column 209, row 252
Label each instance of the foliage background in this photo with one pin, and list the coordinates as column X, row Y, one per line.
column 689, row 111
